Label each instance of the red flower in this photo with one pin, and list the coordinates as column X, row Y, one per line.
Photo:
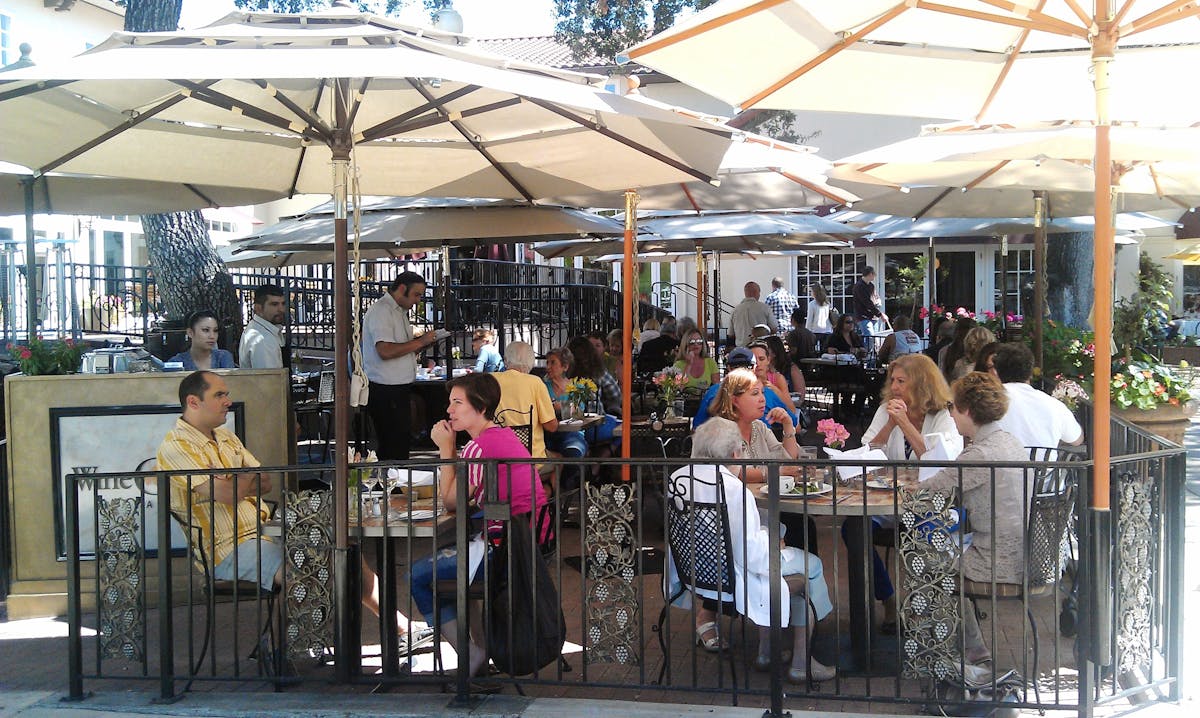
column 25, row 353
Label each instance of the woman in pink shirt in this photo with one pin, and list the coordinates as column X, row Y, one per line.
column 473, row 402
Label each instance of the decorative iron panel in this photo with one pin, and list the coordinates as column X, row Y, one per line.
column 308, row 573
column 929, row 596
column 120, row 564
column 1135, row 568
column 613, row 612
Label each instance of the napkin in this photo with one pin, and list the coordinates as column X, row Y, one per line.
column 937, row 448
column 862, row 453
column 842, row 358
column 413, row 477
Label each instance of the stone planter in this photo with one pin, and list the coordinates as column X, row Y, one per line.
column 1169, row 422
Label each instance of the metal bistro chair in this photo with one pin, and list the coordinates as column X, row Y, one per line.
column 214, row 588
column 1051, row 508
column 702, row 552
column 546, row 517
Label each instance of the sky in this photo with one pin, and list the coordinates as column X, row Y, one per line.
column 481, row 18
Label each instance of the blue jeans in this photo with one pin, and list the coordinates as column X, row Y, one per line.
column 442, row 566
column 864, row 327
column 567, row 443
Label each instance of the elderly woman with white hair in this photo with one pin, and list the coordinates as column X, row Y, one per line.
column 520, row 390
column 719, row 440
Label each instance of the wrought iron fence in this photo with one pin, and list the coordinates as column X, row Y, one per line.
column 537, row 303
column 609, row 541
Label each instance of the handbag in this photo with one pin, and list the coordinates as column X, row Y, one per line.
column 525, row 625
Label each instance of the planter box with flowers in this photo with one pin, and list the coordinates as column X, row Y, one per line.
column 40, row 356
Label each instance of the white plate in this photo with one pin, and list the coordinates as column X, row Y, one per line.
column 879, row 484
column 419, row 514
column 825, row 488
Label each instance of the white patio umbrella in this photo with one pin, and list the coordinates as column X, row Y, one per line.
column 405, row 224
column 284, row 105
column 978, row 59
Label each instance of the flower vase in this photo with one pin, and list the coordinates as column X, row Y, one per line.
column 669, row 409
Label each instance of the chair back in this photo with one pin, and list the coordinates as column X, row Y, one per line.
column 1051, row 512
column 698, row 535
column 520, row 422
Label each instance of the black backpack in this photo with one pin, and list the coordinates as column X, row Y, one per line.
column 525, row 626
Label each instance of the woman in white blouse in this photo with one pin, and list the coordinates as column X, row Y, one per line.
column 720, row 440
column 913, row 407
column 818, row 313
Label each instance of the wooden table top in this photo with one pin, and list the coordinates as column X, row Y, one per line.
column 852, row 499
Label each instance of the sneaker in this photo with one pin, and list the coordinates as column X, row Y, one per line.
column 416, row 639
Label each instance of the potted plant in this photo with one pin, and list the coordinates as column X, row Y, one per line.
column 580, row 391
column 39, row 356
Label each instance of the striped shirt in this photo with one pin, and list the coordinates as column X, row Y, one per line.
column 187, row 448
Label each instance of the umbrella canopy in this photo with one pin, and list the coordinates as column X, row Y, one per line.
column 268, row 113
column 83, row 194
column 1191, row 255
column 246, row 259
column 1128, row 225
column 756, row 173
column 718, row 232
column 271, row 104
column 403, row 224
column 1025, row 59
column 962, row 170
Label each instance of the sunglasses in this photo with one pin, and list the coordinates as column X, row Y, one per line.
column 696, row 341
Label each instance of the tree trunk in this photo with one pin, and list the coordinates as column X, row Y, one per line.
column 1069, row 259
column 188, row 273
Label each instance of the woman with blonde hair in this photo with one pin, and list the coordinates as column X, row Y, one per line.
column 973, row 342
column 912, row 408
column 695, row 363
column 819, row 307
column 740, row 399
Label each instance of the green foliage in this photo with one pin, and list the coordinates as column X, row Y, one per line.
column 1141, row 320
column 39, row 356
column 776, row 124
column 1147, row 384
column 603, row 28
column 910, row 280
column 297, row 6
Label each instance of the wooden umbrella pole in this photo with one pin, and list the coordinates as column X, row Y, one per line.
column 1037, row 321
column 1102, row 54
column 629, row 297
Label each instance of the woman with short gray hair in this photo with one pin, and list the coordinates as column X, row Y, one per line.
column 718, row 440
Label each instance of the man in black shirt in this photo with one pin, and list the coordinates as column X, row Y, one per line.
column 659, row 352
column 865, row 308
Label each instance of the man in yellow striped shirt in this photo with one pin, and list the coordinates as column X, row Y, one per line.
column 228, row 512
column 226, row 509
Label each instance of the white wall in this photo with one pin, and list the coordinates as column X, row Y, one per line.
column 60, row 34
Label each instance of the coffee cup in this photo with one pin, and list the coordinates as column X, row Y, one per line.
column 786, row 484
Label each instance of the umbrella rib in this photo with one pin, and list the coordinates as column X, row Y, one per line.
column 358, row 99
column 1008, row 63
column 1083, row 16
column 1035, row 16
column 1044, row 23
column 704, row 27
column 457, row 125
column 30, row 89
column 691, row 200
column 1166, row 15
column 813, row 187
column 975, row 182
column 395, row 125
column 304, row 149
column 106, row 136
column 941, row 196
column 597, row 127
column 200, row 194
column 311, row 118
column 842, row 44
column 225, row 102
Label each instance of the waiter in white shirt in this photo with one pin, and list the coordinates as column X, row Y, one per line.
column 390, row 352
column 262, row 340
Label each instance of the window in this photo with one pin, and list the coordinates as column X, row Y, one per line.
column 219, row 226
column 836, row 271
column 1015, row 284
column 7, row 56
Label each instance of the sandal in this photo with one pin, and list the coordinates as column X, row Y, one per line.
column 713, row 644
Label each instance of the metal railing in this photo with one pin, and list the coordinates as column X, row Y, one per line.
column 537, row 303
column 607, row 559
